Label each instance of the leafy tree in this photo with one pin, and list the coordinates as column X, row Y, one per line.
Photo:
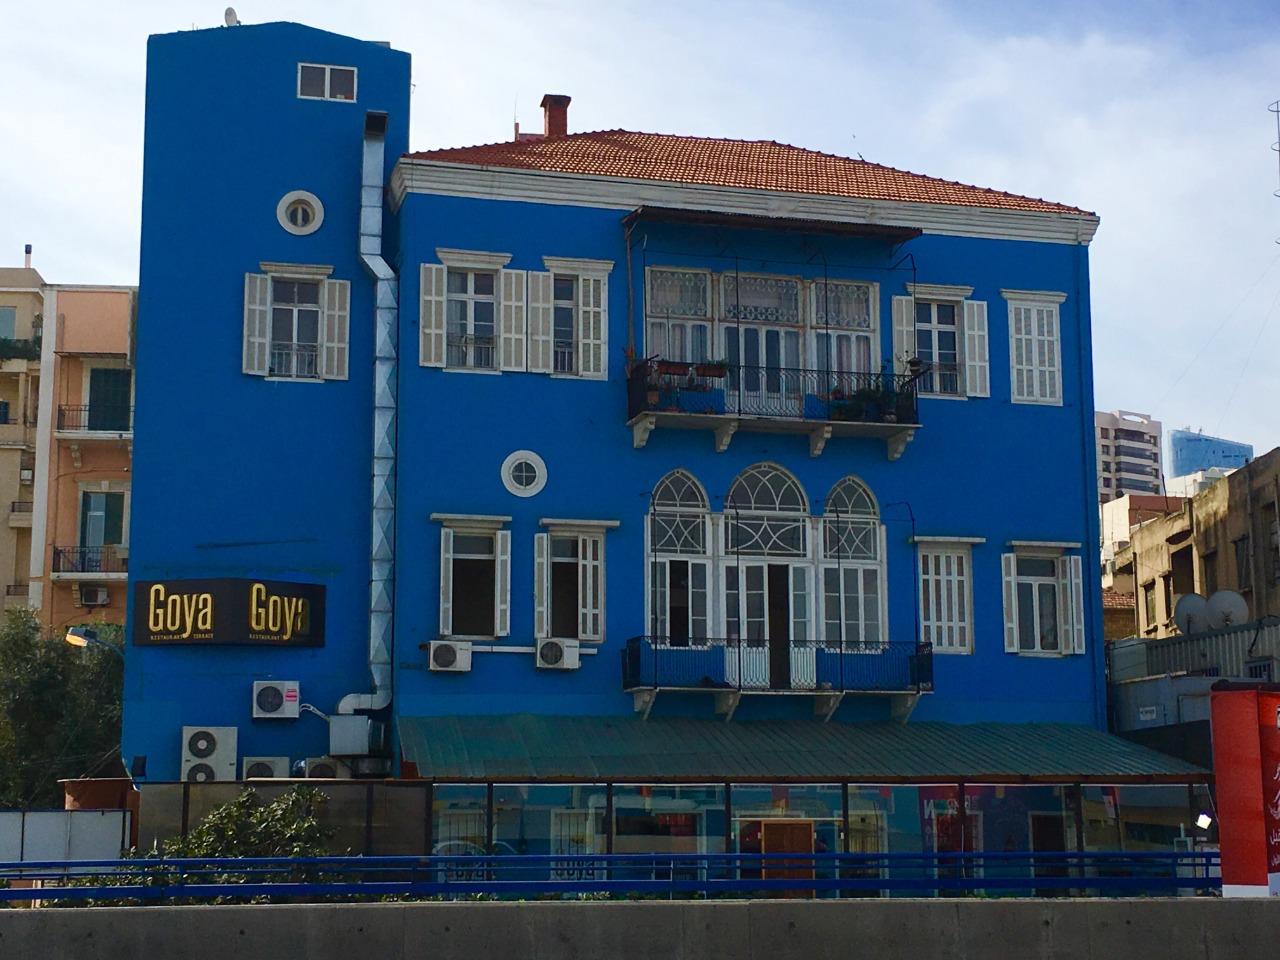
column 288, row 825
column 59, row 711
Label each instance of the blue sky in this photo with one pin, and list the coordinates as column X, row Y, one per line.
column 1152, row 114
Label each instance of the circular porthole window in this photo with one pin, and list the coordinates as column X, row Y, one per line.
column 524, row 473
column 300, row 212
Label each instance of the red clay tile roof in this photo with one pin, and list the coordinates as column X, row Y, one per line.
column 753, row 164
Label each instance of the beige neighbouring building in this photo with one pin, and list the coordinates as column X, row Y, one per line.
column 22, row 291
column 1224, row 538
column 76, row 557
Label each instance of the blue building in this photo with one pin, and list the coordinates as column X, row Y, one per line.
column 565, row 473
column 1192, row 451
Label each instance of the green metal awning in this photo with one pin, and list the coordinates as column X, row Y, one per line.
column 529, row 748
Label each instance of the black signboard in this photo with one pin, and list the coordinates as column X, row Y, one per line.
column 228, row 611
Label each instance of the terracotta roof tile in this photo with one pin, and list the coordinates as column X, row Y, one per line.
column 1112, row 600
column 751, row 164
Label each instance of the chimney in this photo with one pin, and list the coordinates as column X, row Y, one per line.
column 26, row 258
column 555, row 112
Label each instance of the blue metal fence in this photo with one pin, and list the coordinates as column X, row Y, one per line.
column 620, row 875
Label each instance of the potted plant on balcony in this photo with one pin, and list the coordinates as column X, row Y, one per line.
column 712, row 369
column 673, row 368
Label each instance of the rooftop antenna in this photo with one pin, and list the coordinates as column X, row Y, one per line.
column 229, row 17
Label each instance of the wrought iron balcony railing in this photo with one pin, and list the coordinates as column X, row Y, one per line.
column 762, row 391
column 296, row 360
column 104, row 417
column 19, row 506
column 104, row 559
column 718, row 664
column 476, row 353
column 16, row 589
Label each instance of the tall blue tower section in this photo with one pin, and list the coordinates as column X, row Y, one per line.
column 1192, row 452
column 251, row 477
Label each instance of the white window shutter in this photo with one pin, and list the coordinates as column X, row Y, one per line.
column 1075, row 576
column 446, row 582
column 335, row 329
column 539, row 318
column 884, row 590
column 257, row 324
column 904, row 332
column 591, row 588
column 502, row 584
column 1009, row 564
column 541, row 585
column 511, row 284
column 431, row 350
column 593, row 325
column 977, row 367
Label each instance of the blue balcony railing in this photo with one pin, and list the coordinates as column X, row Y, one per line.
column 657, row 385
column 718, row 664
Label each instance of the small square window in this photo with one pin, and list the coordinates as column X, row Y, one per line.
column 311, row 81
column 8, row 322
column 342, row 83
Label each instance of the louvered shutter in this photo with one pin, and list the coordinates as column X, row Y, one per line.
column 904, row 332
column 541, row 585
column 335, row 329
column 502, row 584
column 977, row 367
column 590, row 588
column 1075, row 642
column 539, row 317
column 1009, row 564
column 593, row 325
column 431, row 350
column 446, row 582
column 257, row 324
column 512, row 286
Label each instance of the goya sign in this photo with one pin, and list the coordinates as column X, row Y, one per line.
column 230, row 611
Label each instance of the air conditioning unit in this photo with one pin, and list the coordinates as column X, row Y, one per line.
column 275, row 699
column 558, row 655
column 26, row 475
column 84, row 595
column 451, row 656
column 326, row 768
column 208, row 753
column 264, row 768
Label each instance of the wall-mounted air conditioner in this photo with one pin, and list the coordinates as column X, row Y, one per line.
column 275, row 699
column 326, row 768
column 90, row 595
column 208, row 753
column 264, row 768
column 451, row 656
column 26, row 475
column 558, row 655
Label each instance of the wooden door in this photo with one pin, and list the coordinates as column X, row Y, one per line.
column 788, row 836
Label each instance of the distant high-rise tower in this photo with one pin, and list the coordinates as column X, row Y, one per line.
column 1191, row 452
column 1128, row 454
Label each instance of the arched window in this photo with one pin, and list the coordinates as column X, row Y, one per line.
column 852, row 565
column 766, row 513
column 851, row 528
column 678, row 515
column 679, row 571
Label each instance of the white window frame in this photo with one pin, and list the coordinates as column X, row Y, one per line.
column 469, row 299
column 834, row 332
column 479, row 526
column 587, row 275
column 317, row 212
column 590, row 535
column 1033, row 301
column 688, row 324
column 934, row 328
column 948, row 591
column 328, row 69
column 1068, row 596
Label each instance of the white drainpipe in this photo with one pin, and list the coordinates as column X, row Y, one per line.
column 386, row 294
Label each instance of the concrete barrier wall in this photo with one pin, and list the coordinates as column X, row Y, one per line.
column 745, row 930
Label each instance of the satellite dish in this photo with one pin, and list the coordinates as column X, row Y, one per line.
column 230, row 18
column 1191, row 614
column 1227, row 608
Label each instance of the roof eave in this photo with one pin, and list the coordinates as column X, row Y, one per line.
column 418, row 175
